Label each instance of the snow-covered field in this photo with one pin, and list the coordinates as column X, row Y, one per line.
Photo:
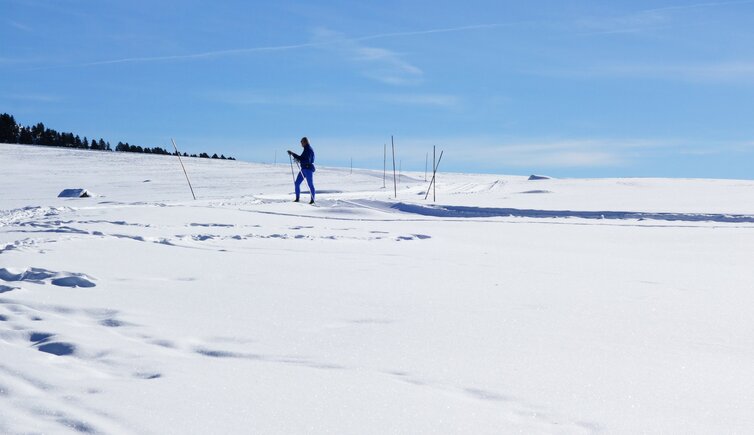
column 512, row 306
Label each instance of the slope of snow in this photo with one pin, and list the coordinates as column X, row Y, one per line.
column 509, row 305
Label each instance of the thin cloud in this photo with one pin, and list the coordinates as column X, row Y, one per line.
column 561, row 153
column 286, row 47
column 646, row 19
column 524, row 153
column 20, row 26
column 257, row 98
column 37, row 98
column 433, row 100
column 712, row 72
column 699, row 5
column 572, row 153
column 377, row 63
column 204, row 55
column 441, row 30
column 250, row 97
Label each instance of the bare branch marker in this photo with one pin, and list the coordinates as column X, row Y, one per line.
column 432, row 181
column 184, row 168
column 395, row 185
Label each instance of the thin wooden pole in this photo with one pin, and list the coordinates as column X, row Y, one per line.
column 432, row 182
column 395, row 185
column 184, row 168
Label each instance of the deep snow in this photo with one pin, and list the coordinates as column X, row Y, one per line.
column 510, row 305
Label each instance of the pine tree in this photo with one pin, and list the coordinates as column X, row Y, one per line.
column 25, row 137
column 37, row 132
column 8, row 129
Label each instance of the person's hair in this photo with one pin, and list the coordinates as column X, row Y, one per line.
column 304, row 140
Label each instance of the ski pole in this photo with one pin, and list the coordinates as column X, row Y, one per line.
column 301, row 172
column 291, row 159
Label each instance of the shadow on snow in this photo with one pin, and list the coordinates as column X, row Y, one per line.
column 448, row 211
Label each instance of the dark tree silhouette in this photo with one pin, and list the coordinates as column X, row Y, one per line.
column 12, row 132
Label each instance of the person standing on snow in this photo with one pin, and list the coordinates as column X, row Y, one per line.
column 306, row 161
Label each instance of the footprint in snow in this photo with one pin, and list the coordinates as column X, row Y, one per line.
column 58, row 349
column 41, row 276
column 413, row 237
column 6, row 288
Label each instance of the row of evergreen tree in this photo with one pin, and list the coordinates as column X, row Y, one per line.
column 12, row 132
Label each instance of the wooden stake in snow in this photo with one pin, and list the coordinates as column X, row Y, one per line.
column 432, row 182
column 395, row 185
column 184, row 168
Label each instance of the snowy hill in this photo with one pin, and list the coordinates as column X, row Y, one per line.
column 509, row 305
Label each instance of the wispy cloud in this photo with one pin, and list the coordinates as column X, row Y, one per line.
column 485, row 151
column 568, row 153
column 247, row 97
column 712, row 72
column 321, row 39
column 374, row 62
column 432, row 100
column 699, row 5
column 20, row 26
column 259, row 98
column 202, row 55
column 38, row 98
column 646, row 19
column 441, row 30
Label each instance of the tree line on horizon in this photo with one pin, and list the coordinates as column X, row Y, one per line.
column 12, row 132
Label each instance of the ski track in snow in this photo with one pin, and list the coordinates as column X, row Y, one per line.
column 72, row 227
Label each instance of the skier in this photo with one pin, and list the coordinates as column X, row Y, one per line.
column 306, row 161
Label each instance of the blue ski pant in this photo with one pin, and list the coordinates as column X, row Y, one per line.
column 308, row 174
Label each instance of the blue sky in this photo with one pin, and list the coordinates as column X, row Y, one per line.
column 570, row 89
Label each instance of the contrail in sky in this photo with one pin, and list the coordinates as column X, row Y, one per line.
column 202, row 55
column 239, row 51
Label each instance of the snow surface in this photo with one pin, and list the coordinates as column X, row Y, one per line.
column 548, row 306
